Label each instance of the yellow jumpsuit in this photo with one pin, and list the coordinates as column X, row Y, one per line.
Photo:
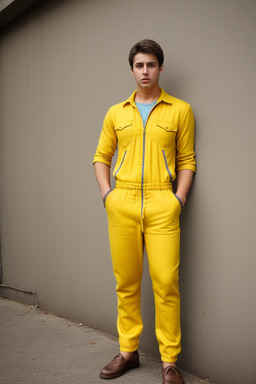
column 143, row 210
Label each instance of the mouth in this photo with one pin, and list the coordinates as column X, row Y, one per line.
column 145, row 79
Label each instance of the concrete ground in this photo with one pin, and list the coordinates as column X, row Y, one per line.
column 39, row 347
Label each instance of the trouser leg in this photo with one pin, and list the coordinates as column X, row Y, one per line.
column 126, row 244
column 162, row 242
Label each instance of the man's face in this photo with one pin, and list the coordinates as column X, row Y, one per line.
column 146, row 70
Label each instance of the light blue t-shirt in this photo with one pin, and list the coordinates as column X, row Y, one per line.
column 145, row 109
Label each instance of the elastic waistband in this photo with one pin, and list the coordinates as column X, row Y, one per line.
column 145, row 187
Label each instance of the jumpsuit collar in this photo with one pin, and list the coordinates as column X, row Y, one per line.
column 163, row 97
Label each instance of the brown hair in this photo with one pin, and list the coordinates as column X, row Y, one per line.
column 147, row 46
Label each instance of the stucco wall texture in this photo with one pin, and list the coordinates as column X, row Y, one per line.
column 62, row 65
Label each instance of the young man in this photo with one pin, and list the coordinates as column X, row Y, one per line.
column 154, row 133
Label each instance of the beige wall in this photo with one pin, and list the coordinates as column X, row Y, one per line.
column 62, row 65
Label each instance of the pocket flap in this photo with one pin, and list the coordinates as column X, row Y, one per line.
column 170, row 127
column 122, row 125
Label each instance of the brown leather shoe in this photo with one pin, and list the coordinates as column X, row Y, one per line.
column 119, row 366
column 171, row 375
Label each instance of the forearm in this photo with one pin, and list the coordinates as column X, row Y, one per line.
column 184, row 181
column 102, row 173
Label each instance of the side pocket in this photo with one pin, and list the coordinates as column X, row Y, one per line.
column 120, row 165
column 106, row 195
column 166, row 164
column 179, row 200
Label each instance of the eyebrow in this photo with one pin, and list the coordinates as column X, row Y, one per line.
column 150, row 62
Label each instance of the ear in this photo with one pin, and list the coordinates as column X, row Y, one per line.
column 161, row 69
column 131, row 70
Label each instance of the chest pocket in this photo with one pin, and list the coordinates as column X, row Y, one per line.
column 123, row 132
column 165, row 134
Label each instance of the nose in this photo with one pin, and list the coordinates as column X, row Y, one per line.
column 145, row 69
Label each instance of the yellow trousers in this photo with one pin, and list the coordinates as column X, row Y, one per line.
column 149, row 218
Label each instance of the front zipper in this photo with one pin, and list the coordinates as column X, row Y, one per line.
column 143, row 159
column 142, row 172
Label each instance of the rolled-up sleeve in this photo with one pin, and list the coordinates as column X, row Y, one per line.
column 107, row 142
column 185, row 157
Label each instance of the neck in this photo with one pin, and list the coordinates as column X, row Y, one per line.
column 147, row 95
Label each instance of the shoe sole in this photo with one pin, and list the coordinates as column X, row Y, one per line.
column 105, row 377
